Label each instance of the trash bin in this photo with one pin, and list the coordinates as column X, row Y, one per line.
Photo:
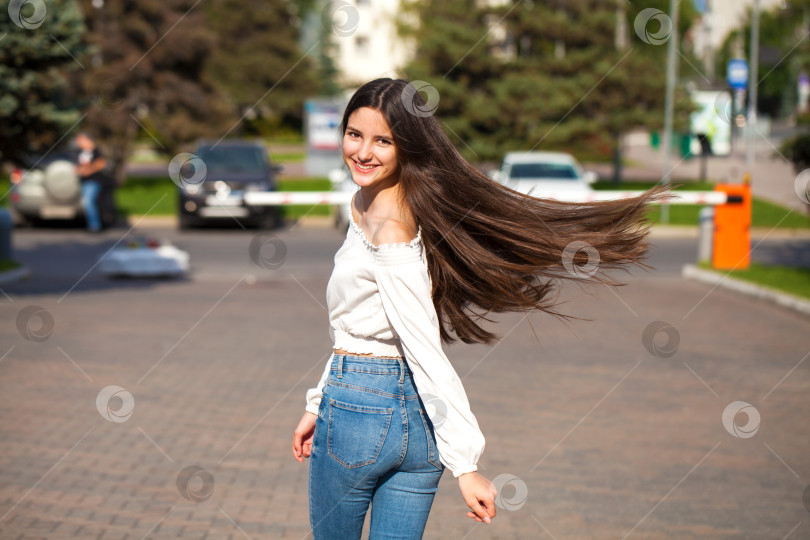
column 6, row 226
column 685, row 141
column 655, row 140
column 732, row 228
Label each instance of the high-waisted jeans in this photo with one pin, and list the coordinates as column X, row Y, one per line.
column 373, row 444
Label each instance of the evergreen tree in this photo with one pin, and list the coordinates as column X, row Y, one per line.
column 257, row 62
column 452, row 54
column 40, row 42
column 539, row 75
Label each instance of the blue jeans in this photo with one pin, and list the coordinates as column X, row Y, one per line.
column 373, row 444
column 90, row 192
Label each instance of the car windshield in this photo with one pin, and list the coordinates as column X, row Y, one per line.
column 557, row 171
column 233, row 159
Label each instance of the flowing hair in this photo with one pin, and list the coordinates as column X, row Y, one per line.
column 490, row 248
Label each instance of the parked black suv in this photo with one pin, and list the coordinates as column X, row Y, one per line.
column 231, row 168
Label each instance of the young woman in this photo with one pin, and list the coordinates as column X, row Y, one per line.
column 433, row 246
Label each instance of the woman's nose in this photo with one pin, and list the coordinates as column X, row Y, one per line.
column 365, row 153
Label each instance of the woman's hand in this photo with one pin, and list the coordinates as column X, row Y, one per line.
column 302, row 436
column 479, row 494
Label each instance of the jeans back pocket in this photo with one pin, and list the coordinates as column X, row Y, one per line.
column 356, row 433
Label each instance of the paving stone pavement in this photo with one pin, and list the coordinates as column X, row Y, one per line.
column 601, row 438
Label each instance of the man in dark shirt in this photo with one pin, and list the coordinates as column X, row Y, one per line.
column 90, row 169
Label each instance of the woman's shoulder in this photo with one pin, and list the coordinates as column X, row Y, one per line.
column 395, row 231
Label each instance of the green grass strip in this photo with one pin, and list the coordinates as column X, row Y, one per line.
column 789, row 279
column 6, row 265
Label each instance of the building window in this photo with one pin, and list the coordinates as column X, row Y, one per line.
column 361, row 44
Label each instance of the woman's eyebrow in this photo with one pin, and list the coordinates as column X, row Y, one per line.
column 378, row 135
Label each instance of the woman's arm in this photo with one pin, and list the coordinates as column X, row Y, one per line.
column 315, row 394
column 304, row 432
column 405, row 290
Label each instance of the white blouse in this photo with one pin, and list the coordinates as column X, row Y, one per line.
column 379, row 300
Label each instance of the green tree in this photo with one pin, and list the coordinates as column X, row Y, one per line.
column 148, row 76
column 569, row 75
column 451, row 55
column 40, row 42
column 257, row 62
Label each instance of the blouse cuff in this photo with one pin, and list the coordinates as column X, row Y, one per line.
column 314, row 395
column 458, row 471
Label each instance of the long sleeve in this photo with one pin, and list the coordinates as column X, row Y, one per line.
column 314, row 395
column 404, row 286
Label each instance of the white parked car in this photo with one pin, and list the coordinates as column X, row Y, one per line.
column 145, row 257
column 545, row 174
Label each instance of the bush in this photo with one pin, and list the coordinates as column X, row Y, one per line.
column 797, row 150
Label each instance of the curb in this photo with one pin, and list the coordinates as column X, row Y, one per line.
column 674, row 231
column 14, row 275
column 690, row 271
column 152, row 221
column 318, row 222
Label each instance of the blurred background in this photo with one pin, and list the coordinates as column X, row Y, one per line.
column 588, row 78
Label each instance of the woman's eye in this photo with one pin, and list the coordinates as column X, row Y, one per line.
column 385, row 141
column 353, row 134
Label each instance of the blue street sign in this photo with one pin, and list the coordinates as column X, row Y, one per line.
column 737, row 74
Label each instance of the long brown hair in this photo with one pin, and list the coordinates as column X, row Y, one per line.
column 490, row 248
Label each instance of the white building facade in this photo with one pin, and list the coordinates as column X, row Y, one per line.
column 369, row 45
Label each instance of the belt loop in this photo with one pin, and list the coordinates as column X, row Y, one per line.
column 402, row 369
column 340, row 366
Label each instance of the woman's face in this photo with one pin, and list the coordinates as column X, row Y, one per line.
column 368, row 148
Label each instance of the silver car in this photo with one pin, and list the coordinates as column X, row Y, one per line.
column 50, row 189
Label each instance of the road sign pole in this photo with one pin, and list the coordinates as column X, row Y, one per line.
column 751, row 123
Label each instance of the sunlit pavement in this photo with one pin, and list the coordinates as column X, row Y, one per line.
column 164, row 409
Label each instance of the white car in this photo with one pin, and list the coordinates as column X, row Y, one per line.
column 545, row 174
column 145, row 257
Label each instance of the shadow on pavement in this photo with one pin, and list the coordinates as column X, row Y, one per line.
column 789, row 253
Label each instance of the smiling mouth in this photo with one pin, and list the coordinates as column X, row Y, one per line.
column 364, row 168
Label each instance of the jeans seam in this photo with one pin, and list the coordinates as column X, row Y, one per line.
column 404, row 449
column 370, row 390
column 431, row 443
column 367, row 370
